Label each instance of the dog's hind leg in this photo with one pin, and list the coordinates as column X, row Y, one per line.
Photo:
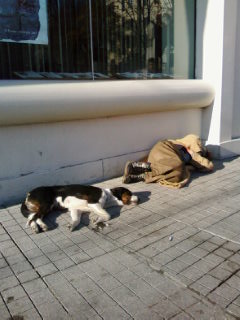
column 76, row 218
column 102, row 214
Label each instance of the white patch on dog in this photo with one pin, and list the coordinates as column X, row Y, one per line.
column 34, row 226
column 110, row 200
column 42, row 224
column 134, row 200
column 30, row 217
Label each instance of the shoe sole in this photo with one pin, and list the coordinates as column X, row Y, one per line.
column 126, row 179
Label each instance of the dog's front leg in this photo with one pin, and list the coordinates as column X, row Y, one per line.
column 42, row 224
column 34, row 226
column 32, row 223
column 102, row 214
column 76, row 218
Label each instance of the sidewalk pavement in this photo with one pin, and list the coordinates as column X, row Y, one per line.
column 174, row 256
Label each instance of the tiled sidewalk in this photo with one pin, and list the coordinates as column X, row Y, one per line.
column 174, row 256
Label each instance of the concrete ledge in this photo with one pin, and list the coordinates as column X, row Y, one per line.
column 28, row 102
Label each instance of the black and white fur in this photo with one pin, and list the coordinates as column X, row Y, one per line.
column 76, row 198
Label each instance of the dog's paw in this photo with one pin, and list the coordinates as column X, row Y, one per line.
column 71, row 227
column 35, row 229
column 44, row 228
column 98, row 225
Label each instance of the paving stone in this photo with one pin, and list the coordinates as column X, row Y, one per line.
column 188, row 258
column 235, row 258
column 234, row 282
column 165, row 308
column 224, row 253
column 46, row 269
column 13, row 294
column 39, row 261
column 109, row 282
column 147, row 314
column 5, row 272
column 168, row 288
column 99, row 302
column 208, row 281
column 220, row 273
column 114, row 312
column 203, row 265
column 20, row 305
column 95, row 252
column 237, row 301
column 200, row 289
column 108, row 263
column 27, row 276
column 80, row 257
column 141, row 269
column 93, row 270
column 127, row 299
column 183, row 299
column 125, row 276
column 207, row 245
column 49, row 247
column 213, row 259
column 4, row 313
column 234, row 310
column 56, row 255
column 198, row 252
column 63, row 263
column 33, row 253
column 73, row 273
column 126, row 259
column 205, row 312
column 34, row 286
column 230, row 266
column 219, row 300
column 43, row 296
column 31, row 314
column 174, row 252
column 227, row 292
column 53, row 311
column 182, row 316
column 144, row 291
column 192, row 273
column 231, row 246
column 177, row 265
column 8, row 282
column 21, row 267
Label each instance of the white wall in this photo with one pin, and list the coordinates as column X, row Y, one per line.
column 236, row 108
column 217, row 60
column 82, row 151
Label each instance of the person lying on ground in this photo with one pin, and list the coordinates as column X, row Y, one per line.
column 170, row 162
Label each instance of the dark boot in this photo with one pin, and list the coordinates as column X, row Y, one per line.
column 136, row 167
column 132, row 178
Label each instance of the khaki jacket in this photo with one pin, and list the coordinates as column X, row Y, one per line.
column 167, row 166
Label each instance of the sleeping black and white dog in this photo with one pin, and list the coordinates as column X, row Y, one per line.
column 76, row 198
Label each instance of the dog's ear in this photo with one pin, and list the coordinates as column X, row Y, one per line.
column 122, row 194
column 117, row 192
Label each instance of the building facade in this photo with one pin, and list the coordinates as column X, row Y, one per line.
column 104, row 80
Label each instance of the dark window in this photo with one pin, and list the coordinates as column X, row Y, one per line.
column 98, row 39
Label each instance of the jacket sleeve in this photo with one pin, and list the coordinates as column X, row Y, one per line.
column 201, row 163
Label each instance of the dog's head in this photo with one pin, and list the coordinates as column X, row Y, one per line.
column 124, row 195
